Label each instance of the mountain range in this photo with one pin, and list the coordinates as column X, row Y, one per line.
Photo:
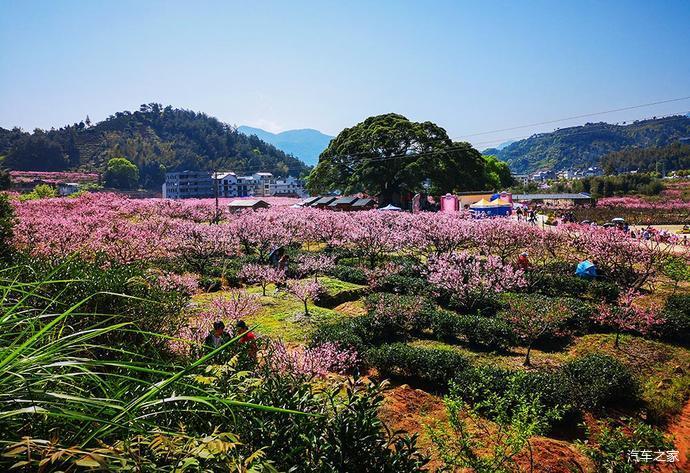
column 157, row 139
column 305, row 144
column 583, row 146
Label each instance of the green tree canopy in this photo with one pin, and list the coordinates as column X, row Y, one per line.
column 498, row 172
column 121, row 174
column 389, row 154
column 36, row 152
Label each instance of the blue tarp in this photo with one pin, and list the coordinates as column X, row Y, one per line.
column 586, row 269
column 492, row 211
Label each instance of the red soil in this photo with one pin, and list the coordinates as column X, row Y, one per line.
column 413, row 410
column 680, row 429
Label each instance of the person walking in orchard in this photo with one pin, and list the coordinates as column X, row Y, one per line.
column 247, row 340
column 217, row 337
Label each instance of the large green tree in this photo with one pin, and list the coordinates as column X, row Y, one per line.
column 121, row 174
column 498, row 172
column 388, row 154
column 36, row 152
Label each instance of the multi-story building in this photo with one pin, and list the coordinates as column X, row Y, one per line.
column 188, row 184
column 262, row 183
column 199, row 184
column 288, row 187
column 225, row 183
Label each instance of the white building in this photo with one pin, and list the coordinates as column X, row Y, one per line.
column 262, row 183
column 288, row 187
column 226, row 183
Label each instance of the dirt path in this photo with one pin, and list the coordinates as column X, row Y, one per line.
column 680, row 429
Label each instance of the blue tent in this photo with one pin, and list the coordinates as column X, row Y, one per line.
column 586, row 269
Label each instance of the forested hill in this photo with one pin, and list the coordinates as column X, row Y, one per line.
column 583, row 146
column 155, row 138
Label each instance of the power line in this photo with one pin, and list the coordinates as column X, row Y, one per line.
column 632, row 107
column 672, row 117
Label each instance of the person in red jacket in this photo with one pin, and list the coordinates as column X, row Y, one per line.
column 247, row 339
column 523, row 261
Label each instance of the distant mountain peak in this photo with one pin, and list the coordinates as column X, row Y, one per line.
column 584, row 146
column 305, row 143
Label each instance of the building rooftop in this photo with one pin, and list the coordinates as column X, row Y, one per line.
column 343, row 201
column 309, row 201
column 363, row 202
column 323, row 201
column 247, row 203
column 223, row 175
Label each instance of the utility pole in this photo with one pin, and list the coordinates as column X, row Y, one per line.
column 216, row 217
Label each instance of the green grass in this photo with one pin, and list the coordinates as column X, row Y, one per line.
column 335, row 286
column 282, row 315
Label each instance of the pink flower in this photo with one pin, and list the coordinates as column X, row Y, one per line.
column 469, row 278
column 315, row 264
column 316, row 361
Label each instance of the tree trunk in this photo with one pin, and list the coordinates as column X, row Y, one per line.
column 527, row 360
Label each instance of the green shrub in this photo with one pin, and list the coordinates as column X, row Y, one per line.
column 676, row 325
column 400, row 284
column 547, row 387
column 348, row 274
column 609, row 446
column 580, row 321
column 346, row 434
column 348, row 333
column 599, row 290
column 569, row 285
column 486, row 333
column 395, row 317
column 6, row 225
column 432, row 368
column 598, row 381
column 210, row 284
column 486, row 305
column 149, row 306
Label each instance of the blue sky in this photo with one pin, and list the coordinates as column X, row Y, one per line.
column 471, row 67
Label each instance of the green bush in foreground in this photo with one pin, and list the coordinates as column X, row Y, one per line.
column 469, row 441
column 610, row 446
column 432, row 368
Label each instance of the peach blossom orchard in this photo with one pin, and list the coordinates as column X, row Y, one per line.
column 439, row 301
column 459, row 256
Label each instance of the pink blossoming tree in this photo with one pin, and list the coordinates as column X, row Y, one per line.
column 261, row 274
column 315, row 264
column 314, row 361
column 469, row 279
column 305, row 290
column 531, row 319
column 628, row 316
